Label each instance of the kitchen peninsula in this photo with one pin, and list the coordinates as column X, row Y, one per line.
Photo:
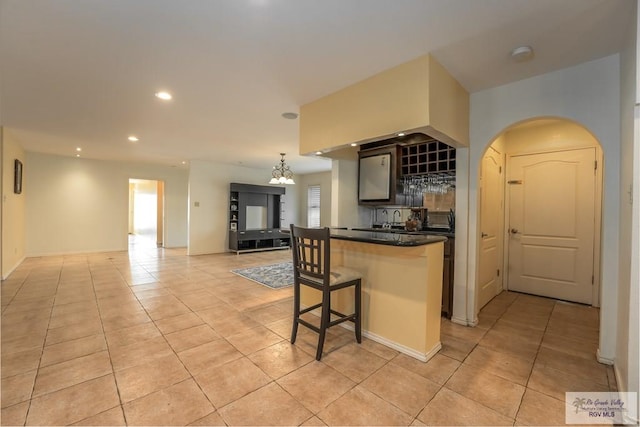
column 401, row 287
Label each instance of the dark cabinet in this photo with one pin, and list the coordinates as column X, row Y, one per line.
column 255, row 213
column 378, row 173
column 397, row 171
column 447, row 277
column 428, row 157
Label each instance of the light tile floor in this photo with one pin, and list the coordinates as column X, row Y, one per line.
column 155, row 337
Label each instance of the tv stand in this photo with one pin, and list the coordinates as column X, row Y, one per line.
column 255, row 215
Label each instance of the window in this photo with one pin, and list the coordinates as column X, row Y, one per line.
column 313, row 206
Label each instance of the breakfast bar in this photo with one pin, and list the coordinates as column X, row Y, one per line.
column 401, row 287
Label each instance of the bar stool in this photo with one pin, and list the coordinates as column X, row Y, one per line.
column 312, row 267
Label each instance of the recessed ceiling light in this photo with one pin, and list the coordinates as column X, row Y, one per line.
column 289, row 115
column 400, row 134
column 318, row 153
column 77, row 155
column 78, row 149
column 164, row 95
column 521, row 53
column 133, row 138
column 354, row 144
column 184, row 162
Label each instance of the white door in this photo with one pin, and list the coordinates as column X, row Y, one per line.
column 551, row 224
column 491, row 219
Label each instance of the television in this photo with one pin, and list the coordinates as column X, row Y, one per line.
column 256, row 217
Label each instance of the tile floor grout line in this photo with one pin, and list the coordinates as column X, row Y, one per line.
column 104, row 333
column 191, row 377
column 44, row 342
column 17, row 290
column 191, row 374
column 476, row 345
column 533, row 363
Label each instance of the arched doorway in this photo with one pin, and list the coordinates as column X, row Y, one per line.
column 540, row 235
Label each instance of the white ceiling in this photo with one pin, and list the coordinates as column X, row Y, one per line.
column 82, row 73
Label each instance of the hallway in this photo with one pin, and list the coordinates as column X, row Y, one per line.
column 154, row 337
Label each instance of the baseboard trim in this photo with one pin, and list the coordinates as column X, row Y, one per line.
column 83, row 252
column 423, row 357
column 605, row 360
column 6, row 276
column 622, row 386
column 463, row 322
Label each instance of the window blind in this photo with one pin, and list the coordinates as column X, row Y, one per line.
column 313, row 206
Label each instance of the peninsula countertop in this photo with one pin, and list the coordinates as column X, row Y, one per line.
column 382, row 238
column 432, row 232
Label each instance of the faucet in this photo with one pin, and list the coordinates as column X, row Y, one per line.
column 399, row 216
column 386, row 218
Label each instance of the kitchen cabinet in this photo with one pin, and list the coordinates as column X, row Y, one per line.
column 375, row 177
column 378, row 173
column 447, row 277
column 396, row 172
column 428, row 157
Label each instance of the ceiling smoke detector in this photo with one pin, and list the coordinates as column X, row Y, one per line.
column 289, row 115
column 522, row 53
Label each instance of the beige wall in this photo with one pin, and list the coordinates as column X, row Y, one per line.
column 417, row 96
column 448, row 107
column 547, row 135
column 13, row 205
column 209, row 188
column 86, row 203
column 390, row 101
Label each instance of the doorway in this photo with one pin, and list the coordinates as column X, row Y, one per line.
column 491, row 220
column 549, row 218
column 146, row 213
column 551, row 224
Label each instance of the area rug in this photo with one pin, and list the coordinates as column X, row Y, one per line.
column 274, row 276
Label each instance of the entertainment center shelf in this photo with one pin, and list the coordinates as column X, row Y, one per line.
column 255, row 213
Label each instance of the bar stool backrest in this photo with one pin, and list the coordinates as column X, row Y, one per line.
column 311, row 255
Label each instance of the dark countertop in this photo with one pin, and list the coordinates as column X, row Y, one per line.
column 444, row 233
column 387, row 238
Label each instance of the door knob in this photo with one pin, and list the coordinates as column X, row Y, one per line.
column 514, row 231
column 483, row 235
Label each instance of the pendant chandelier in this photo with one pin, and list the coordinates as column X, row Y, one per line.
column 281, row 173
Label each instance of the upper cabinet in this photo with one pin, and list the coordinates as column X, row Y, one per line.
column 400, row 171
column 377, row 175
column 417, row 96
column 427, row 158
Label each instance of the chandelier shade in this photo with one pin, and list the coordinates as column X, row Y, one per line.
column 281, row 173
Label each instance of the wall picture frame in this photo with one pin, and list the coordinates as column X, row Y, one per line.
column 17, row 176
